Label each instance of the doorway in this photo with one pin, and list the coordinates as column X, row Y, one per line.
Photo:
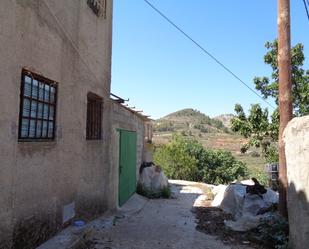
column 127, row 165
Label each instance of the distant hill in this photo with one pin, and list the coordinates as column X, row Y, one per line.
column 189, row 121
column 212, row 133
column 225, row 119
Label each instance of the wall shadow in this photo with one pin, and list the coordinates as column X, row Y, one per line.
column 298, row 210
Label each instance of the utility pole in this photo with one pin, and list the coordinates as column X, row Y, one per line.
column 285, row 95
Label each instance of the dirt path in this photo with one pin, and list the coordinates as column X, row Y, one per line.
column 164, row 224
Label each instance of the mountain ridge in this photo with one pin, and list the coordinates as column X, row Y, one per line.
column 189, row 119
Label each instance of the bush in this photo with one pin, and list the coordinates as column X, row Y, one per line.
column 273, row 232
column 255, row 154
column 201, row 128
column 272, row 154
column 185, row 158
column 164, row 126
column 260, row 175
column 164, row 193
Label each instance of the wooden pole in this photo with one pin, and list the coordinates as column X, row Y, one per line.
column 285, row 95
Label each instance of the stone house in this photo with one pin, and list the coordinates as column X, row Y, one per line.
column 60, row 131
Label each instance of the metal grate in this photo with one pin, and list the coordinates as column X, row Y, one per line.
column 38, row 97
column 94, row 117
column 98, row 7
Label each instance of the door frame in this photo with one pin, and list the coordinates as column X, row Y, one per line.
column 126, row 196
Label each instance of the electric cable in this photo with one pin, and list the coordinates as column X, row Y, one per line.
column 206, row 52
column 306, row 7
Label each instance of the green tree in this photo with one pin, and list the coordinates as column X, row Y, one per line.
column 261, row 132
column 258, row 127
column 269, row 87
column 185, row 158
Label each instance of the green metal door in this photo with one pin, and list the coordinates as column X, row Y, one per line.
column 127, row 165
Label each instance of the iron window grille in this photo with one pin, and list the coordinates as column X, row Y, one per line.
column 38, row 98
column 94, row 117
column 98, row 7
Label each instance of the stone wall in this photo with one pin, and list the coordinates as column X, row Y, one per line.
column 67, row 42
column 296, row 137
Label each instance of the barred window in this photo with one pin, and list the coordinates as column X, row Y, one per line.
column 94, row 117
column 37, row 116
column 98, row 7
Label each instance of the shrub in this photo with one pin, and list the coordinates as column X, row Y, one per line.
column 185, row 158
column 164, row 126
column 272, row 232
column 260, row 175
column 272, row 154
column 255, row 154
column 201, row 128
column 164, row 193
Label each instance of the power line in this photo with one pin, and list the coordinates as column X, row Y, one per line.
column 206, row 52
column 306, row 7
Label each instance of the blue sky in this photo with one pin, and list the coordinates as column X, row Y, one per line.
column 162, row 72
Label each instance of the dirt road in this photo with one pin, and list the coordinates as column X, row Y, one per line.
column 164, row 224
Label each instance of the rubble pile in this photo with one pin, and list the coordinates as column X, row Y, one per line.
column 248, row 202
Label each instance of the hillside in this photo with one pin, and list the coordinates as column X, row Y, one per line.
column 213, row 133
column 187, row 120
column 225, row 119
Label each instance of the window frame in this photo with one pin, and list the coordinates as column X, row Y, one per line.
column 94, row 121
column 98, row 7
column 22, row 97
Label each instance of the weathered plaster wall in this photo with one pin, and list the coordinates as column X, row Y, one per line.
column 66, row 42
column 296, row 137
column 126, row 120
